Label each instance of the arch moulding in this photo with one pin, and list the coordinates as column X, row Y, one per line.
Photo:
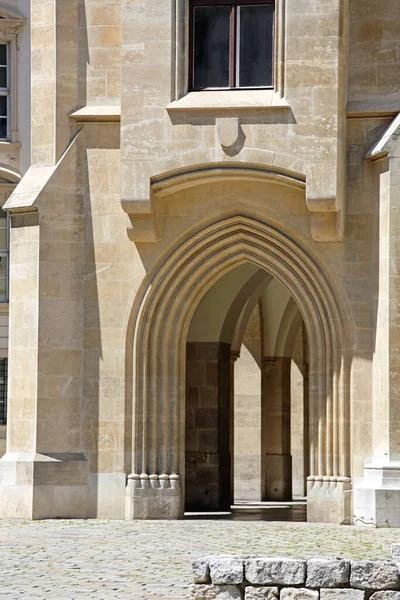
column 162, row 319
column 160, row 179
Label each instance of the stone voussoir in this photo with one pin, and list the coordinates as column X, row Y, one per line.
column 215, row 592
column 327, row 572
column 261, row 593
column 276, row 571
column 374, row 575
column 226, row 571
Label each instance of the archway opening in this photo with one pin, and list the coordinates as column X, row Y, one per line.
column 164, row 323
column 246, row 433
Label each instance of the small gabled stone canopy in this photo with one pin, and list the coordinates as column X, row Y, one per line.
column 388, row 143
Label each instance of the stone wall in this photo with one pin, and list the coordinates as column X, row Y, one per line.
column 254, row 578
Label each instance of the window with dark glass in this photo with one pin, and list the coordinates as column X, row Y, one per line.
column 232, row 44
column 4, row 91
column 3, row 390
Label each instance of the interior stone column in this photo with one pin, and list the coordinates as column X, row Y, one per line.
column 208, row 426
column 275, row 437
column 247, row 428
column 299, row 401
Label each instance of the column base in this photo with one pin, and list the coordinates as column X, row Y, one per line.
column 377, row 496
column 329, row 500
column 38, row 486
column 153, row 497
column 277, row 477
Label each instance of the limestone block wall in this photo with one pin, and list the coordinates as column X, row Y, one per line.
column 100, row 29
column 374, row 59
column 255, row 578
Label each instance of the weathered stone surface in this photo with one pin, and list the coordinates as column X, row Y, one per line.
column 215, row 592
column 341, row 594
column 370, row 575
column 388, row 595
column 261, row 593
column 299, row 594
column 327, row 573
column 275, row 571
column 396, row 552
column 226, row 571
column 201, row 570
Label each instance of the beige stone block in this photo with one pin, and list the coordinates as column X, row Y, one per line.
column 20, row 436
column 113, row 83
column 104, row 58
column 103, row 15
column 60, row 361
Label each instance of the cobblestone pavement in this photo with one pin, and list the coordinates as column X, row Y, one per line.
column 151, row 560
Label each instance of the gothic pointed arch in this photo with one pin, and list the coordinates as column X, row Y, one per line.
column 155, row 487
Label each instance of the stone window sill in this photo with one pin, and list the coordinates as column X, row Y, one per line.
column 229, row 100
column 7, row 146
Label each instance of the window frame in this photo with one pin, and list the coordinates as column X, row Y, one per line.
column 4, row 388
column 7, row 90
column 234, row 4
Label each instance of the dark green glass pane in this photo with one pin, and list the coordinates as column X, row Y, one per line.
column 3, row 106
column 3, row 239
column 3, row 77
column 3, row 290
column 256, row 40
column 3, row 266
column 3, row 54
column 211, row 46
column 3, row 128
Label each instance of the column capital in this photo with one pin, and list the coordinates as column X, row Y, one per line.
column 234, row 356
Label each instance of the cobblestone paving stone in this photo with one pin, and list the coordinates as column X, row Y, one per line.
column 68, row 560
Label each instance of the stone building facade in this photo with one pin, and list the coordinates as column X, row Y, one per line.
column 204, row 297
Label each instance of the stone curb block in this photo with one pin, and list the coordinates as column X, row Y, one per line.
column 396, row 552
column 341, row 594
column 276, row 571
column 226, row 571
column 374, row 574
column 299, row 594
column 201, row 570
column 261, row 593
column 327, row 573
column 215, row 592
column 389, row 595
